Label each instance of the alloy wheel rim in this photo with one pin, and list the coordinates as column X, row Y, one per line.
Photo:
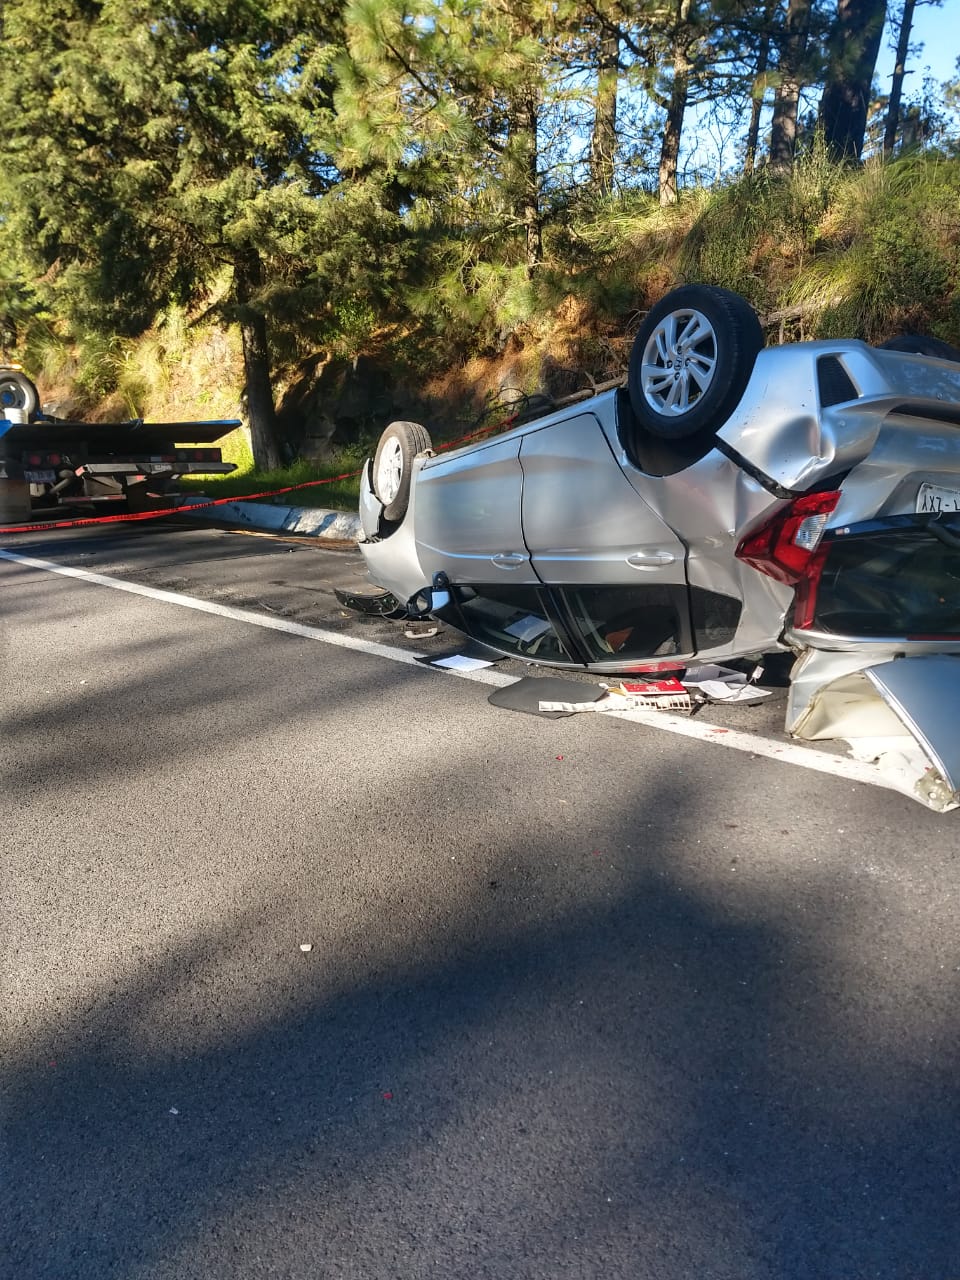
column 679, row 362
column 389, row 471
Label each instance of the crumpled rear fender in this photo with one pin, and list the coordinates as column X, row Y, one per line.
column 884, row 705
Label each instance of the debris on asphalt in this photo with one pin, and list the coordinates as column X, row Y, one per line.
column 724, row 684
column 528, row 693
column 306, row 946
column 635, row 702
column 661, row 694
column 382, row 604
column 684, row 692
column 664, row 693
column 460, row 662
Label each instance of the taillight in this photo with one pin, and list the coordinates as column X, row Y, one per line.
column 788, row 548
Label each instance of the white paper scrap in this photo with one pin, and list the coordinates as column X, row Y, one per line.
column 458, row 662
column 628, row 702
column 573, row 706
column 718, row 691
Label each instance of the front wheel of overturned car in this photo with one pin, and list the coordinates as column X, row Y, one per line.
column 692, row 359
column 399, row 445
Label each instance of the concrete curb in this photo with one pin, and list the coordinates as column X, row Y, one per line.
column 308, row 522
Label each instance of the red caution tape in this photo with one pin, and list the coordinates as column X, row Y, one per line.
column 168, row 511
column 127, row 517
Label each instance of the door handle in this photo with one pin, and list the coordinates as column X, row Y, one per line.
column 650, row 559
column 509, row 560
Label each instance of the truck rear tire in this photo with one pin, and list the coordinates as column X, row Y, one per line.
column 18, row 392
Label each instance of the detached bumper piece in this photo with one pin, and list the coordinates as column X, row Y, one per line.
column 902, row 714
column 383, row 604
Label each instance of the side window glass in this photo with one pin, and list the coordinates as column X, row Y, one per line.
column 510, row 618
column 715, row 617
column 629, row 622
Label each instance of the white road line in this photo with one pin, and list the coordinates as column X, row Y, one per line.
column 788, row 752
column 483, row 676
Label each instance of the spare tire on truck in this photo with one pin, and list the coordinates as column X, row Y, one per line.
column 691, row 360
column 17, row 392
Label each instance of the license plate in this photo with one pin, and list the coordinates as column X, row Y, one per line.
column 40, row 477
column 931, row 498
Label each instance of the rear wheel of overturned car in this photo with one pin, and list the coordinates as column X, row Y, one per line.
column 399, row 445
column 18, row 392
column 921, row 344
column 691, row 360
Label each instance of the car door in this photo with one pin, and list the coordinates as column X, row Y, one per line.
column 468, row 515
column 617, row 570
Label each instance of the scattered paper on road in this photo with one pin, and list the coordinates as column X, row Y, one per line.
column 458, row 662
column 718, row 691
column 724, row 684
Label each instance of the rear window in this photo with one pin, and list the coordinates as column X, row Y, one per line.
column 899, row 578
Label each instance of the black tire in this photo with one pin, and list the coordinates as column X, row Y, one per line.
column 692, row 360
column 398, row 446
column 921, row 344
column 18, row 392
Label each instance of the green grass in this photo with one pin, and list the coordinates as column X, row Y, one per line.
column 339, row 495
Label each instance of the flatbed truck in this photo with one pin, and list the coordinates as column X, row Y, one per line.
column 52, row 466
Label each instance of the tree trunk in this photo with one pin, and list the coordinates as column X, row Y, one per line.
column 248, row 280
column 783, row 127
column 854, row 46
column 896, row 83
column 673, row 128
column 603, row 139
column 756, row 107
column 759, row 86
column 525, row 124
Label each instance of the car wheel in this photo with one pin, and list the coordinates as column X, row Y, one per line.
column 692, row 359
column 921, row 344
column 399, row 445
column 18, row 392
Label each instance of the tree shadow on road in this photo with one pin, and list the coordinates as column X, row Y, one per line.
column 647, row 1082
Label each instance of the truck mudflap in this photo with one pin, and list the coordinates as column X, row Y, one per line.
column 901, row 713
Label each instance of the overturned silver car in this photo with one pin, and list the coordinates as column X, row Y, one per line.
column 727, row 501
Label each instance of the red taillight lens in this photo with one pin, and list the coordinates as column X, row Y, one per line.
column 788, row 548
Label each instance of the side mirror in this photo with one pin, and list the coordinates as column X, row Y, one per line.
column 427, row 601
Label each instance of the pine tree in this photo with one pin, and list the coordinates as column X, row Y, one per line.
column 165, row 143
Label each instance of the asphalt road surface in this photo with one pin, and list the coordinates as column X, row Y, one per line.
column 317, row 965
